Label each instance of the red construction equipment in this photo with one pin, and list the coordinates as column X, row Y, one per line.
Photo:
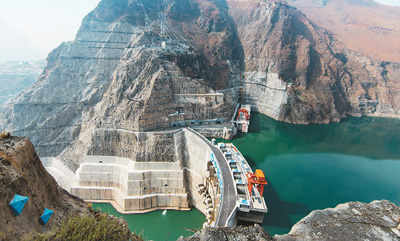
column 257, row 179
column 244, row 112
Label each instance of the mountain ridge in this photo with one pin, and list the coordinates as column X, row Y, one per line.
column 133, row 63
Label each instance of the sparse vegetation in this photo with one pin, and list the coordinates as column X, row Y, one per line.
column 3, row 236
column 88, row 227
column 5, row 161
column 5, row 135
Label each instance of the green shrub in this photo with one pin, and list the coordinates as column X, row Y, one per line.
column 98, row 227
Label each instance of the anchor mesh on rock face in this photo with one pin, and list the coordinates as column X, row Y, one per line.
column 17, row 204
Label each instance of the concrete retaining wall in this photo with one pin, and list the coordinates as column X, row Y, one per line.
column 134, row 186
column 142, row 185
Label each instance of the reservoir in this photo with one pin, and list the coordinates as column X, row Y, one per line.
column 307, row 167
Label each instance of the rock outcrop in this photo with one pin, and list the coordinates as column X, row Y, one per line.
column 143, row 65
column 255, row 232
column 21, row 172
column 378, row 220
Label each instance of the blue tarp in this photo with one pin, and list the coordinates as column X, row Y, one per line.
column 17, row 204
column 45, row 216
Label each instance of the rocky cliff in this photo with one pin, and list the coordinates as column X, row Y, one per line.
column 143, row 65
column 132, row 64
column 378, row 220
column 297, row 71
column 22, row 173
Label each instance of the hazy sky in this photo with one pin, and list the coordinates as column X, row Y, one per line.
column 389, row 2
column 30, row 29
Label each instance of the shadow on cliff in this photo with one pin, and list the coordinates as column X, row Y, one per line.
column 279, row 211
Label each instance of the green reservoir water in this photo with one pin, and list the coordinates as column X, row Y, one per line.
column 312, row 167
column 307, row 167
column 156, row 226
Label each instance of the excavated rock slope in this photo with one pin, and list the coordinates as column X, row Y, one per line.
column 126, row 70
column 22, row 173
column 135, row 64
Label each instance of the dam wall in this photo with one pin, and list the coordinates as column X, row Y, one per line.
column 139, row 172
column 134, row 186
column 199, row 176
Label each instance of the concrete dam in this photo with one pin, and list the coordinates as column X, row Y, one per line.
column 175, row 169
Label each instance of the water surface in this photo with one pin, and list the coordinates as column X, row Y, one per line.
column 308, row 167
column 160, row 225
column 311, row 167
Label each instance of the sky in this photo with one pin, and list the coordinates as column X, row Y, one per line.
column 30, row 29
column 389, row 2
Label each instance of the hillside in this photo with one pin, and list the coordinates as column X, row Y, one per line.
column 135, row 63
column 364, row 26
column 16, row 76
column 22, row 173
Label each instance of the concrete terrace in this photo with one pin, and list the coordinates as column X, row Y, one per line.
column 198, row 174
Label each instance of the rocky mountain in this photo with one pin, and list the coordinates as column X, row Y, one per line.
column 16, row 76
column 141, row 65
column 22, row 173
column 299, row 72
column 352, row 221
column 363, row 26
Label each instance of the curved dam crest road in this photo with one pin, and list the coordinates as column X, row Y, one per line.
column 228, row 202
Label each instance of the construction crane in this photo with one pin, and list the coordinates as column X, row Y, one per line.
column 257, row 179
column 243, row 114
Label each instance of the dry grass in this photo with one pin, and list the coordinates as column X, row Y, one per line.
column 5, row 135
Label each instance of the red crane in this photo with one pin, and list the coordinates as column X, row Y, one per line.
column 257, row 179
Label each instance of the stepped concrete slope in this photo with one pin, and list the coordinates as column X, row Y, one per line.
column 169, row 181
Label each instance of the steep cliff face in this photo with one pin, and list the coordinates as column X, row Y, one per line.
column 21, row 172
column 143, row 65
column 132, row 64
column 298, row 72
